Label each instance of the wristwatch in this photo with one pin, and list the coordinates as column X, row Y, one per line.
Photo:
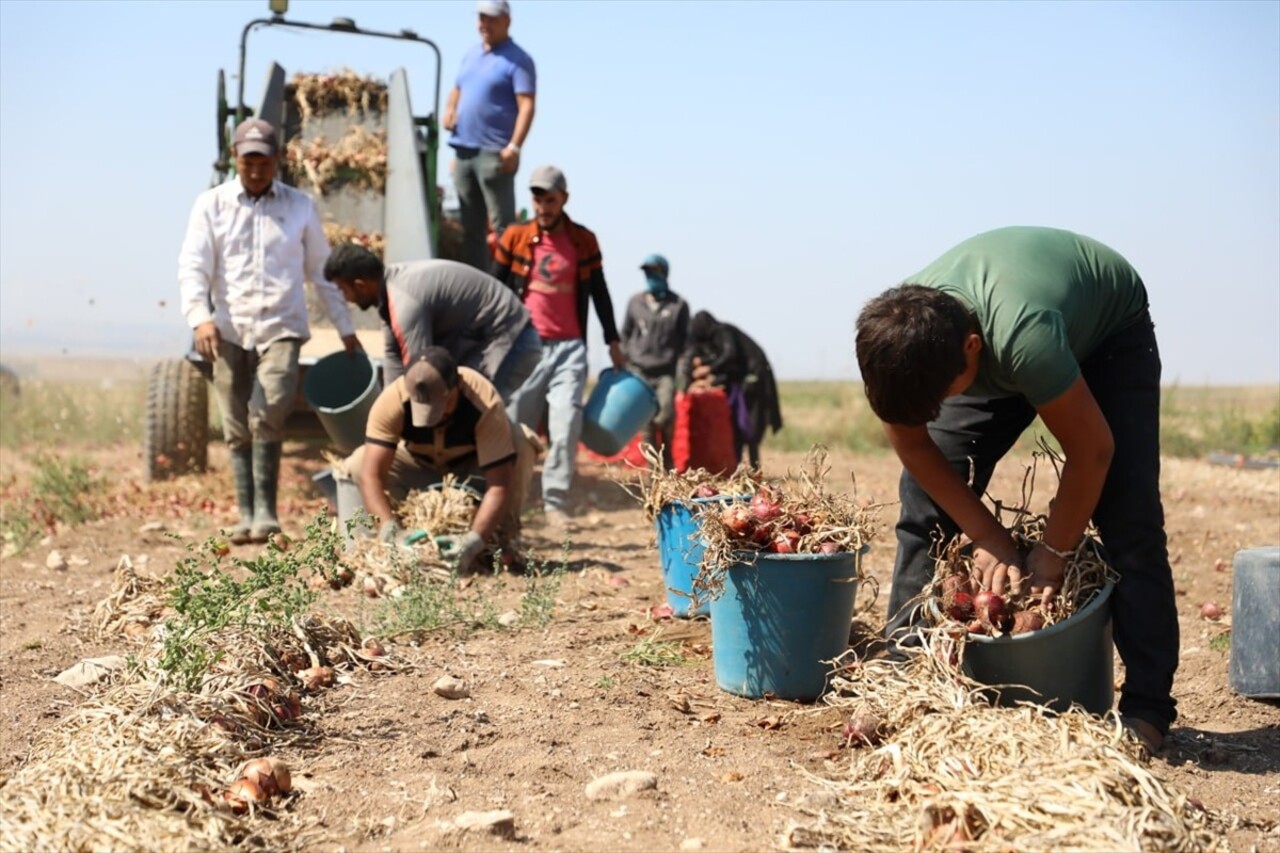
column 513, row 147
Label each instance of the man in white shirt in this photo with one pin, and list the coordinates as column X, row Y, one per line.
column 251, row 243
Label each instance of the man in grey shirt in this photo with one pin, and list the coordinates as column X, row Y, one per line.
column 480, row 321
column 654, row 335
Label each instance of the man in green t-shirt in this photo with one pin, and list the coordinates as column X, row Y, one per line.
column 960, row 359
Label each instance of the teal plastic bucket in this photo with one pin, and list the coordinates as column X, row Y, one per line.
column 619, row 407
column 1069, row 662
column 680, row 550
column 341, row 388
column 778, row 621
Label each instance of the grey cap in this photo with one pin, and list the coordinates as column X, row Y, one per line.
column 255, row 136
column 494, row 8
column 548, row 178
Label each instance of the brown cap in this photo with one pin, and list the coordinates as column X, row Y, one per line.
column 429, row 382
column 255, row 136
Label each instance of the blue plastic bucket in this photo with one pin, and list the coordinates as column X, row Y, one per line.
column 778, row 621
column 1067, row 663
column 680, row 550
column 341, row 388
column 619, row 407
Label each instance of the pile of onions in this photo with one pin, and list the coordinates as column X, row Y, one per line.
column 770, row 522
column 984, row 612
column 266, row 702
column 797, row 516
column 260, row 780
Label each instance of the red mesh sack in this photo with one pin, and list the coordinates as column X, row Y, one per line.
column 703, row 432
column 629, row 455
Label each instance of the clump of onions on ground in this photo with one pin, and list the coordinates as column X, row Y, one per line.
column 260, row 780
column 797, row 516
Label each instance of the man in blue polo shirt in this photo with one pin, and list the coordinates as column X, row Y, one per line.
column 489, row 111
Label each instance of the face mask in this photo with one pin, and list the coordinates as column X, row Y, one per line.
column 656, row 282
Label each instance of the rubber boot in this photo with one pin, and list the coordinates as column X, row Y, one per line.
column 266, row 477
column 242, row 473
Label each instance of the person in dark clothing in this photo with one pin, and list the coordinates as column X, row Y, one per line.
column 726, row 357
column 654, row 335
column 959, row 360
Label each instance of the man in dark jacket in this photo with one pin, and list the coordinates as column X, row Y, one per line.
column 654, row 334
column 735, row 362
column 554, row 265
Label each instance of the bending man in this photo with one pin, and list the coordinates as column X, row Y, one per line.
column 442, row 419
column 1008, row 325
column 441, row 303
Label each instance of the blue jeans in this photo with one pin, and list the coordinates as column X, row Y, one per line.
column 484, row 194
column 1123, row 375
column 554, row 389
column 518, row 365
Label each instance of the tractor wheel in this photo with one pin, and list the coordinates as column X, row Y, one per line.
column 177, row 428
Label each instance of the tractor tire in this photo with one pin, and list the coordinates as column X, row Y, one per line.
column 177, row 429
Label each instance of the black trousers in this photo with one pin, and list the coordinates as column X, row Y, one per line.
column 1123, row 375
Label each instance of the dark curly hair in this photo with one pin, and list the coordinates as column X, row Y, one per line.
column 350, row 261
column 910, row 344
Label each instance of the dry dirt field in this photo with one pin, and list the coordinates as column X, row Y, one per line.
column 552, row 709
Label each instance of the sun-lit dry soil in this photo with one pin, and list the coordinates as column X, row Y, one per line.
column 395, row 759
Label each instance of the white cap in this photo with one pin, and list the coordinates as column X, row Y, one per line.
column 494, row 8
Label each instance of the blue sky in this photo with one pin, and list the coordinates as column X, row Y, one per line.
column 791, row 159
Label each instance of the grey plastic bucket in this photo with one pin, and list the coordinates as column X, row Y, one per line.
column 341, row 388
column 1070, row 662
column 349, row 503
column 325, row 482
column 1255, row 623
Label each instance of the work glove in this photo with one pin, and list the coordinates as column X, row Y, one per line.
column 462, row 550
column 390, row 532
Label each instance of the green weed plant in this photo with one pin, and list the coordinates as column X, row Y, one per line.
column 431, row 604
column 654, row 652
column 210, row 593
column 62, row 494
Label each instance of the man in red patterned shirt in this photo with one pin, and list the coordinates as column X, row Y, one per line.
column 554, row 265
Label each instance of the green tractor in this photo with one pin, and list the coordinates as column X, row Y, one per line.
column 394, row 208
